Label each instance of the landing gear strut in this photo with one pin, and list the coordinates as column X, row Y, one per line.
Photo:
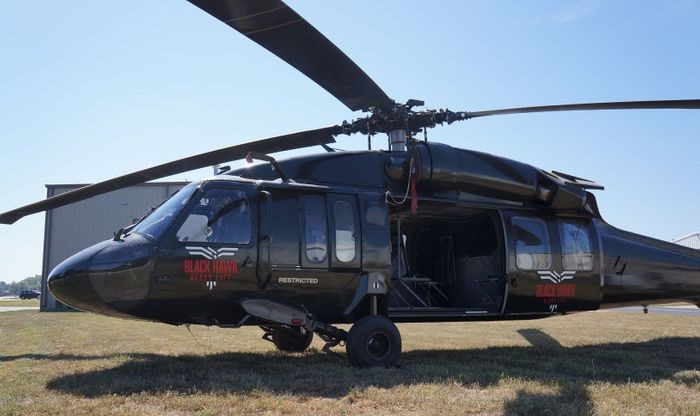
column 373, row 341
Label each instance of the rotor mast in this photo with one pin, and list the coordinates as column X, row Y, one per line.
column 397, row 140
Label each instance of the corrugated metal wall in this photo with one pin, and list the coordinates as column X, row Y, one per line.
column 692, row 241
column 74, row 227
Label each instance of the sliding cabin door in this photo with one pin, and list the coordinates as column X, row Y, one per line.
column 553, row 264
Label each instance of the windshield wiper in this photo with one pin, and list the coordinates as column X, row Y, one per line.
column 118, row 235
column 122, row 232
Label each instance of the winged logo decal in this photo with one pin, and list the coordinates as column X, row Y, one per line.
column 212, row 253
column 556, row 277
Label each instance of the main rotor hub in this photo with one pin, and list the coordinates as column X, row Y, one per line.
column 401, row 122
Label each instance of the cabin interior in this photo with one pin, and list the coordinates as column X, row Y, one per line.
column 447, row 258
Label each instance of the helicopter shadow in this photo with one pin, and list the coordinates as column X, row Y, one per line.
column 569, row 369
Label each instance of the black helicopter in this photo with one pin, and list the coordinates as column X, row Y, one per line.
column 422, row 232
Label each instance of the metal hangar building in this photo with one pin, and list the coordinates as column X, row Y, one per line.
column 690, row 240
column 73, row 227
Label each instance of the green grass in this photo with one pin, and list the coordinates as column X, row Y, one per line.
column 593, row 363
column 19, row 302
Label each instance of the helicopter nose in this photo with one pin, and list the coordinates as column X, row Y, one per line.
column 70, row 283
column 104, row 278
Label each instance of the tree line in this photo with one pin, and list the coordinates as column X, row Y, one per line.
column 29, row 283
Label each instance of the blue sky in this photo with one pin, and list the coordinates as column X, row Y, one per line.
column 91, row 90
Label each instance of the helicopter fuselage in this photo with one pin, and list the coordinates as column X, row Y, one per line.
column 340, row 241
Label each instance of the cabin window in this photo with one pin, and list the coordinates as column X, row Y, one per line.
column 532, row 248
column 316, row 243
column 220, row 216
column 576, row 251
column 344, row 231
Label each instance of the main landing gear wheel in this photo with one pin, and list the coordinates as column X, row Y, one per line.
column 294, row 339
column 373, row 341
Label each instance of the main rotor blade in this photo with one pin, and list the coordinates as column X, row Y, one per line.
column 279, row 29
column 227, row 154
column 618, row 105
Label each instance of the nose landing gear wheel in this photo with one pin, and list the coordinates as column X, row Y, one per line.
column 373, row 341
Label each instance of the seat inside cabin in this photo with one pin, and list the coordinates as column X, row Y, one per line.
column 447, row 260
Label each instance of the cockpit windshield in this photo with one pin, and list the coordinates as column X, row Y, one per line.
column 155, row 223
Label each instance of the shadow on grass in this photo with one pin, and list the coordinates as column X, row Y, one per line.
column 57, row 357
column 570, row 370
column 573, row 399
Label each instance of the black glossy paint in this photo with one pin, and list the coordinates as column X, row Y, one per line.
column 443, row 167
column 639, row 270
column 279, row 29
column 111, row 277
column 149, row 278
column 533, row 291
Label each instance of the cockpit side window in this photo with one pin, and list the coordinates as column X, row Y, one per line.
column 576, row 251
column 220, row 216
column 532, row 248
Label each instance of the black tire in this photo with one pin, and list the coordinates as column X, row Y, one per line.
column 295, row 339
column 373, row 341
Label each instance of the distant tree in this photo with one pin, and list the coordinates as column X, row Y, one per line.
column 28, row 283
